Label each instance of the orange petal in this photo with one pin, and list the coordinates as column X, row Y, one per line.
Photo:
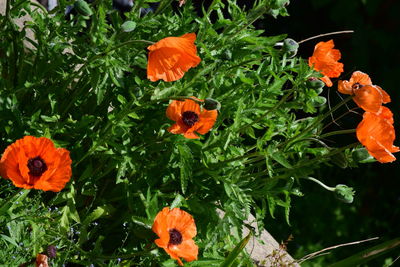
column 174, row 110
column 361, row 78
column 386, row 114
column 369, row 98
column 207, row 121
column 325, row 60
column 191, row 135
column 344, row 87
column 160, row 228
column 171, row 57
column 377, row 134
column 161, row 64
column 385, row 96
column 187, row 250
column 190, row 105
column 327, row 81
column 176, row 129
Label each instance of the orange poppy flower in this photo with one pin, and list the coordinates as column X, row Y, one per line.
column 33, row 162
column 377, row 134
column 171, row 57
column 41, row 261
column 325, row 60
column 190, row 118
column 366, row 95
column 175, row 229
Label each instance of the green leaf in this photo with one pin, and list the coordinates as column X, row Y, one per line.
column 279, row 157
column 236, row 251
column 9, row 239
column 94, row 215
column 185, row 165
column 177, row 201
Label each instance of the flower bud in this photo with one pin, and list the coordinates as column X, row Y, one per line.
column 211, row 104
column 361, row 155
column 290, row 46
column 314, row 83
column 83, row 8
column 344, row 193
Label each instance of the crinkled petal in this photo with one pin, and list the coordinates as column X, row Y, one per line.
column 369, row 98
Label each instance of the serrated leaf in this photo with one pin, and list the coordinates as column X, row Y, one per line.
column 185, row 165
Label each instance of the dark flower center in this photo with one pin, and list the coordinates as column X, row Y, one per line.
column 356, row 86
column 190, row 118
column 36, row 166
column 175, row 237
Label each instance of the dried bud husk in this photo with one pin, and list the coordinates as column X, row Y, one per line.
column 344, row 193
column 83, row 8
column 290, row 46
column 51, row 251
column 361, row 155
column 314, row 83
column 211, row 104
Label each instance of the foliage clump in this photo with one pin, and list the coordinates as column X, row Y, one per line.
column 82, row 82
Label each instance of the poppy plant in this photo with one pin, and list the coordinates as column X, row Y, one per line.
column 377, row 134
column 175, row 229
column 325, row 60
column 190, row 118
column 171, row 57
column 33, row 162
column 366, row 95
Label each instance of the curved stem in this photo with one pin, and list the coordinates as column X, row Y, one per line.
column 324, row 34
column 320, row 183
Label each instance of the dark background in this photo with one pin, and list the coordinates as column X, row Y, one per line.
column 318, row 219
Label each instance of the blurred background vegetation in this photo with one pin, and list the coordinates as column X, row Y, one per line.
column 318, row 220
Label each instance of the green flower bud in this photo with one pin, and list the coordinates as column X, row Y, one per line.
column 361, row 155
column 344, row 193
column 211, row 104
column 83, row 8
column 290, row 46
column 314, row 83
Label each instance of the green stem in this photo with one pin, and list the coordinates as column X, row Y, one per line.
column 315, row 123
column 126, row 256
column 8, row 9
column 237, row 158
column 313, row 161
column 163, row 5
column 338, row 132
column 320, row 183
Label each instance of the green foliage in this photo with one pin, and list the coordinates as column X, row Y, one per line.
column 82, row 82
